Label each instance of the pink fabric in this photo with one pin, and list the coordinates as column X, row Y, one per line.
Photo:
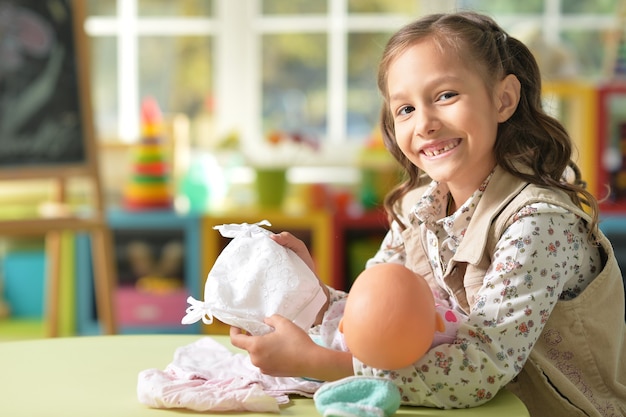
column 451, row 321
column 206, row 376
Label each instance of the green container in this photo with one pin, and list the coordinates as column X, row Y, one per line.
column 271, row 184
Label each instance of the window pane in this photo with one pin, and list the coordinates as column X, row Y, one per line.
column 384, row 6
column 101, row 7
column 586, row 6
column 589, row 56
column 293, row 6
column 294, row 83
column 174, row 8
column 104, row 86
column 364, row 51
column 503, row 6
column 177, row 72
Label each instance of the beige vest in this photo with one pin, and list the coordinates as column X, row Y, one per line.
column 578, row 365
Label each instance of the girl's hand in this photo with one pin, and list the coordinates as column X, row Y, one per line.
column 278, row 353
column 289, row 351
column 289, row 241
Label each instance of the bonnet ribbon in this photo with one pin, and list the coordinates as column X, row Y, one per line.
column 198, row 310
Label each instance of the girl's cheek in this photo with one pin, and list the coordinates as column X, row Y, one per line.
column 403, row 136
column 405, row 147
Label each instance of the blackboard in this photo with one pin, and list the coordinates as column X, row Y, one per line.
column 46, row 132
column 45, row 112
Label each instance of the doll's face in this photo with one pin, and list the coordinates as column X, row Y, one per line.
column 390, row 319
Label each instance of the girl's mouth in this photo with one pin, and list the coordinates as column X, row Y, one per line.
column 441, row 148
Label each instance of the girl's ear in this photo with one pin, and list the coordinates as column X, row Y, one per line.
column 508, row 95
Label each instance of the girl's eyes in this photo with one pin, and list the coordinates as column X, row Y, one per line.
column 447, row 96
column 405, row 110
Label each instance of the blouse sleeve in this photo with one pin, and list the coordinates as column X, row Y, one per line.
column 391, row 248
column 543, row 249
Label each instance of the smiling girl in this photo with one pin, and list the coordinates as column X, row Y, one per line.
column 488, row 218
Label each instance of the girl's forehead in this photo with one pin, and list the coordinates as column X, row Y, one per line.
column 424, row 66
column 431, row 51
column 427, row 54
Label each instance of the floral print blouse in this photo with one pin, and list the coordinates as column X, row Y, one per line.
column 543, row 257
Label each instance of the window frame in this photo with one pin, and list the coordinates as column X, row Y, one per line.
column 237, row 28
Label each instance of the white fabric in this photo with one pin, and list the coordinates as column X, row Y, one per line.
column 206, row 376
column 254, row 278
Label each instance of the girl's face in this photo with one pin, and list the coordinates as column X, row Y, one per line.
column 445, row 118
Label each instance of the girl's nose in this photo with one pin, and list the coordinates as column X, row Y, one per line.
column 426, row 123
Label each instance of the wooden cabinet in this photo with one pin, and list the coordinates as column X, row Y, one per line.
column 574, row 105
column 611, row 143
column 339, row 244
column 355, row 239
column 157, row 264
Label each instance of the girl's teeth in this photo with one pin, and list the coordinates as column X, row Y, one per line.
column 440, row 151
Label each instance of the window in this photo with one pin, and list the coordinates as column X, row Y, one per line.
column 301, row 66
column 154, row 48
column 570, row 33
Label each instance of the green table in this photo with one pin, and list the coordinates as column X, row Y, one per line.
column 97, row 376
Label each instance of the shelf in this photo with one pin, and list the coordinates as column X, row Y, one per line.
column 332, row 238
column 355, row 239
column 21, row 329
column 611, row 135
column 23, row 272
column 150, row 303
column 573, row 103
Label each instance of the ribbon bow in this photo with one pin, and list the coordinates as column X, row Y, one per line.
column 198, row 310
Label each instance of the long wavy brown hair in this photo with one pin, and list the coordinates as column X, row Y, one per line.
column 529, row 141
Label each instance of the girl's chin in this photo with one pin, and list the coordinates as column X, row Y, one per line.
column 438, row 174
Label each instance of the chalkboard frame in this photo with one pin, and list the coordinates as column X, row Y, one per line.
column 87, row 164
column 60, row 217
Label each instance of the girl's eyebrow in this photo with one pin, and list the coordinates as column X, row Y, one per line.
column 396, row 96
column 446, row 78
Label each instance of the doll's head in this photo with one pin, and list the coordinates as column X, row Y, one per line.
column 390, row 319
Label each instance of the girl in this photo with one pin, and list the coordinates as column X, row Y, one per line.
column 487, row 217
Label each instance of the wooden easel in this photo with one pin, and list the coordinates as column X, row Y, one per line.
column 101, row 252
column 79, row 142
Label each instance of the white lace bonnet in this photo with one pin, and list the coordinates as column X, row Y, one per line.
column 253, row 278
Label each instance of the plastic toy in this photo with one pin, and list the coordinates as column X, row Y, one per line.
column 390, row 318
column 149, row 185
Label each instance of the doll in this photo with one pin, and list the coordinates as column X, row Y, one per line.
column 390, row 320
column 390, row 317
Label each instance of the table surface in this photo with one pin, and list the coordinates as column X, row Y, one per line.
column 97, row 376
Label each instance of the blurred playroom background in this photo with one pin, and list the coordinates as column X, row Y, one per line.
column 207, row 112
